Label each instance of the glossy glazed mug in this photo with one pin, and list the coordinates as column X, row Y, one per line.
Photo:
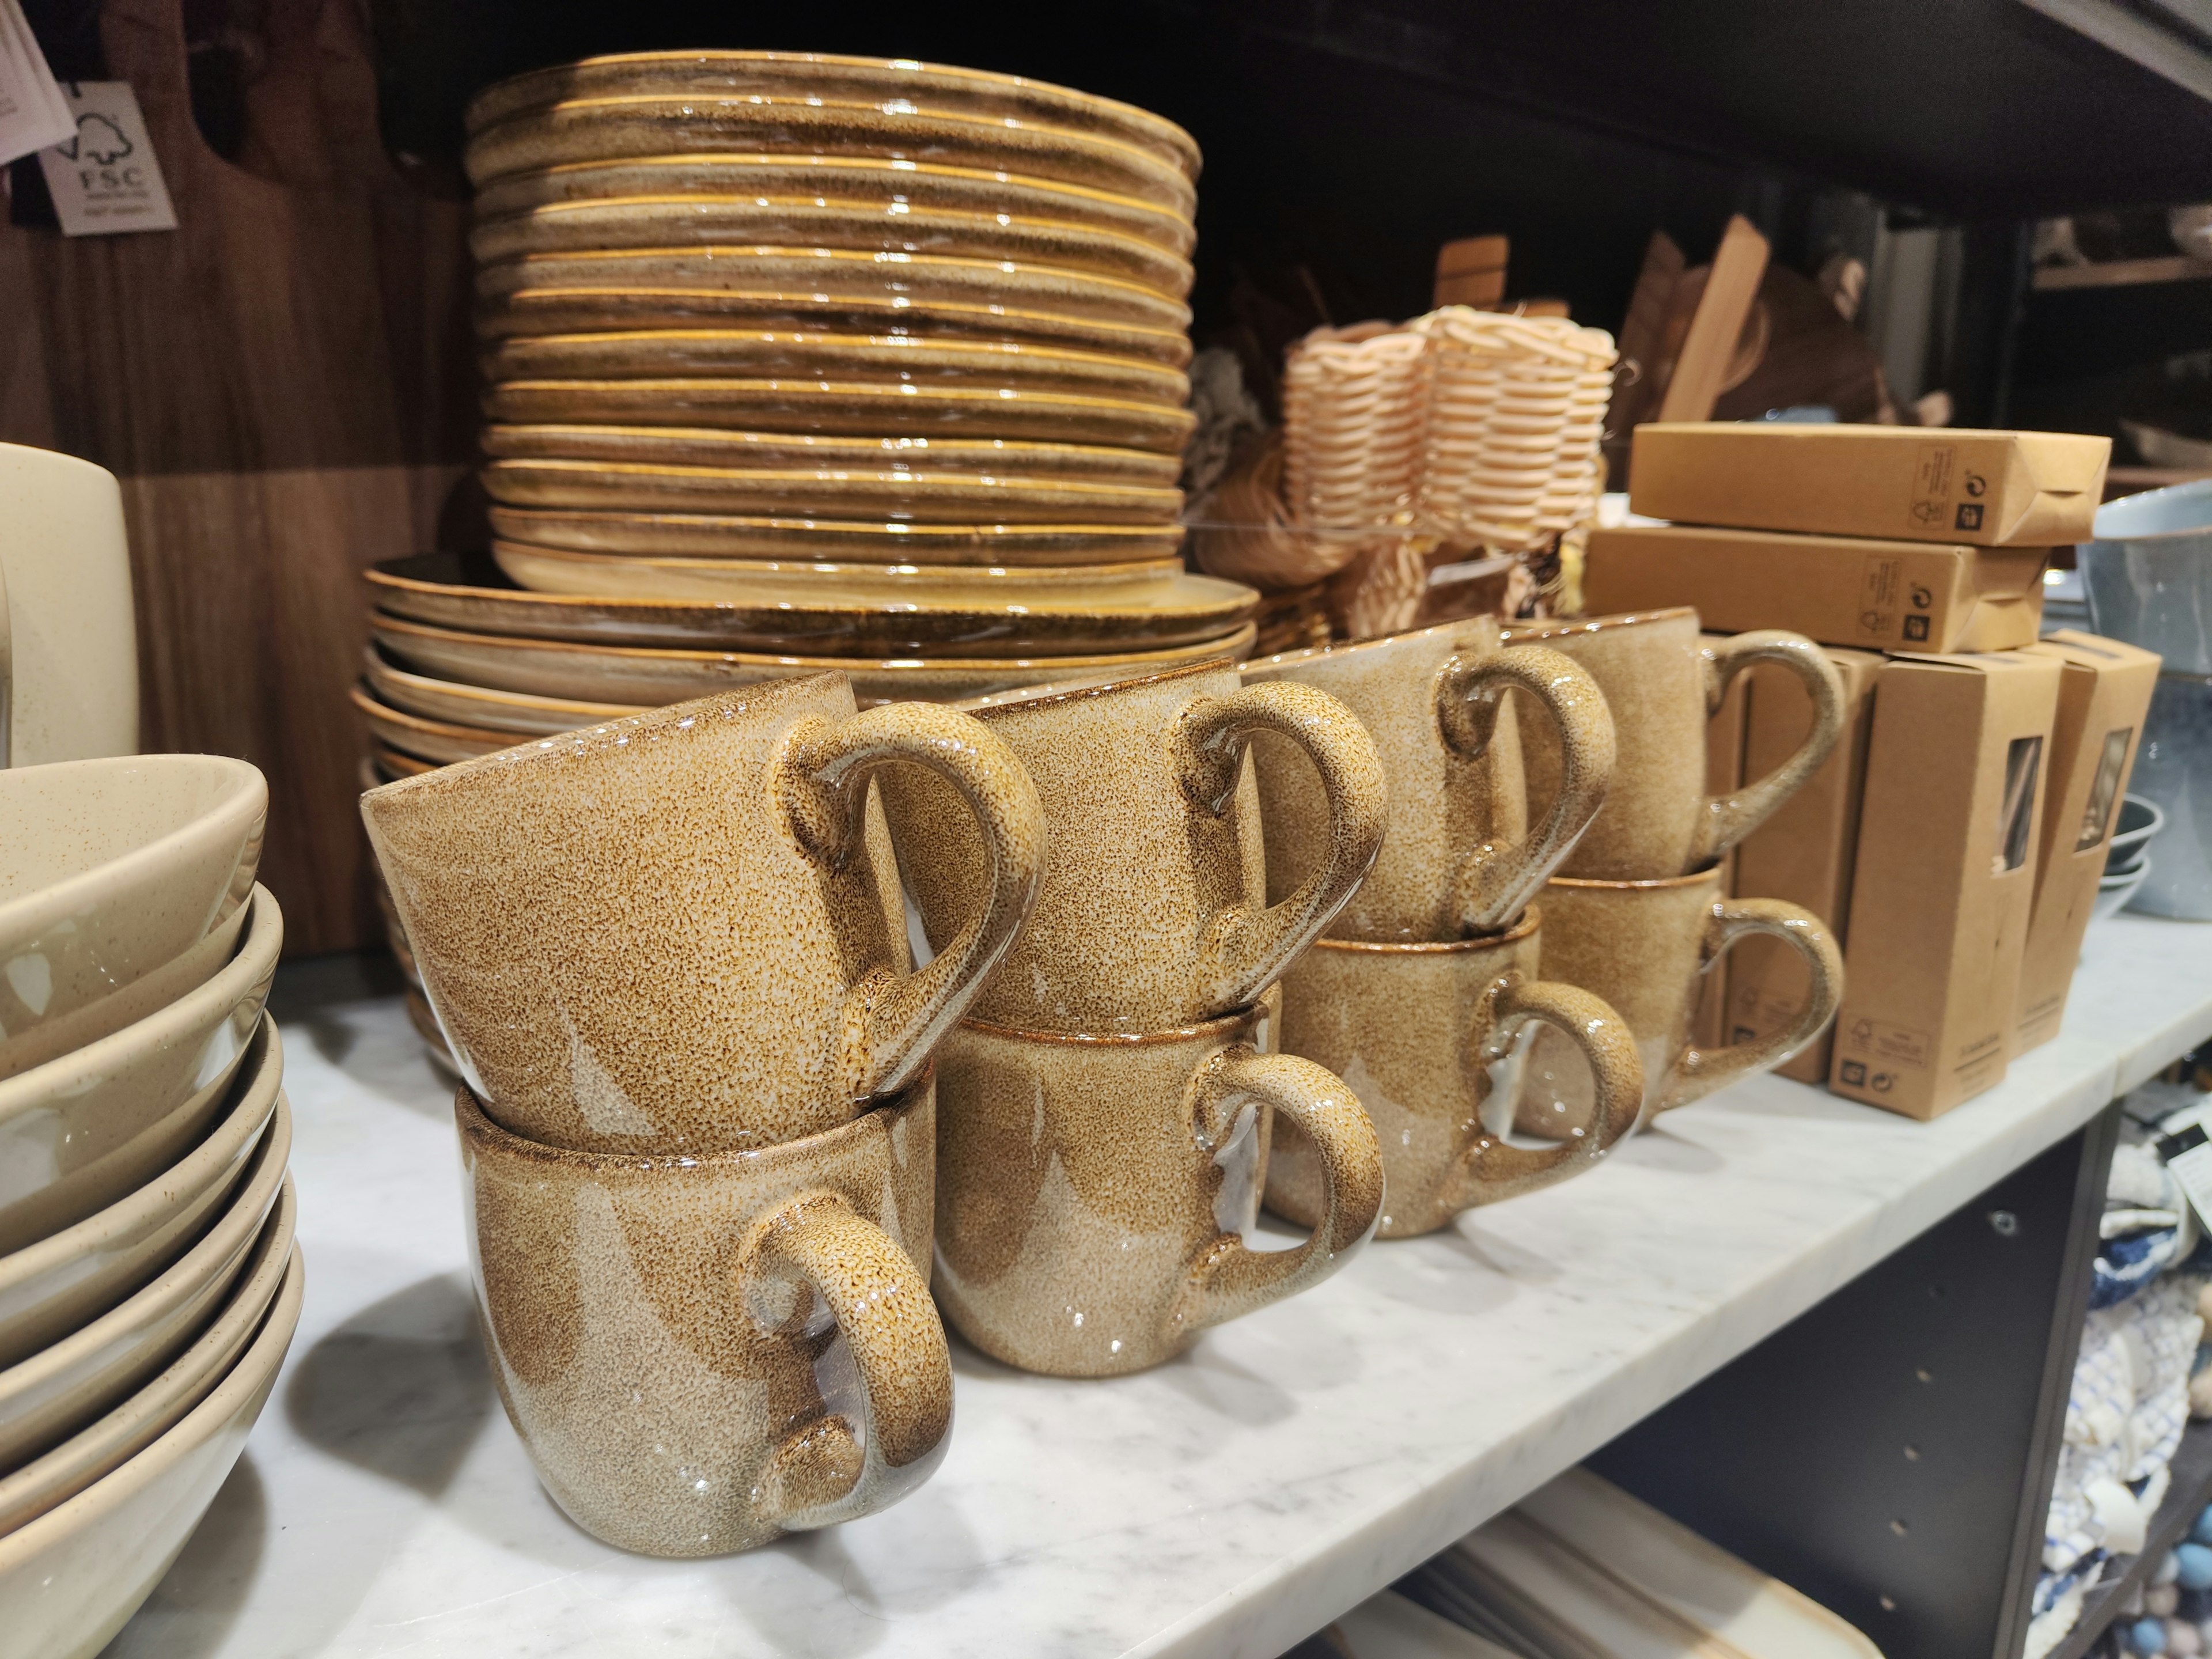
column 1092, row 1191
column 1459, row 858
column 1644, row 947
column 1662, row 683
column 1430, row 1036
column 684, row 931
column 1153, row 914
column 704, row 1353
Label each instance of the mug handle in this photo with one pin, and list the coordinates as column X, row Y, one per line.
column 816, row 1476
column 1227, row 1278
column 1247, row 951
column 1495, row 884
column 1699, row 1072
column 1727, row 819
column 821, row 779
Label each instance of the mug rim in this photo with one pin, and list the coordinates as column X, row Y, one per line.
column 1530, row 920
column 1250, row 1014
column 476, row 1125
column 1709, row 873
column 1547, row 627
column 1051, row 694
column 1310, row 653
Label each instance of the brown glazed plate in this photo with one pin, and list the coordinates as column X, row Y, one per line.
column 588, row 310
column 615, row 674
column 840, row 179
column 761, row 354
column 605, row 129
column 830, row 273
column 469, row 593
column 847, row 408
column 715, row 448
column 796, row 539
column 440, row 742
column 827, row 75
column 883, row 225
column 785, row 493
column 452, row 703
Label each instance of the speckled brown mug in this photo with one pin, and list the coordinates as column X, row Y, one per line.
column 1430, row 1037
column 1092, row 1192
column 683, row 930
column 1645, row 947
column 1153, row 914
column 702, row 1353
column 1662, row 683
column 1459, row 858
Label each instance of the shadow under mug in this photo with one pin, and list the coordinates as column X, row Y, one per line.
column 1093, row 1191
column 683, row 930
column 1645, row 947
column 1430, row 1036
column 1662, row 683
column 1460, row 859
column 1153, row 914
column 702, row 1353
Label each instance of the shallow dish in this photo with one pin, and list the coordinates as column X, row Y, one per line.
column 1180, row 610
column 612, row 127
column 869, row 409
column 72, row 1577
column 767, row 354
column 395, row 765
column 842, row 273
column 654, row 678
column 455, row 703
column 2115, row 892
column 438, row 742
column 829, row 75
column 785, row 494
column 90, row 1127
column 842, row 178
column 688, row 544
column 885, row 224
column 47, row 1397
column 941, row 554
column 74, row 1276
column 718, row 448
column 183, row 1382
column 2140, row 820
column 111, row 869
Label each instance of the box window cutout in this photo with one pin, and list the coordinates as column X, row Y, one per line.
column 2104, row 793
column 2023, row 760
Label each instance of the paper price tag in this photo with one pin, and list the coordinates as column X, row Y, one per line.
column 2188, row 1154
column 104, row 177
column 32, row 112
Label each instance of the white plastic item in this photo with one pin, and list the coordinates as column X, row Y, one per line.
column 1389, row 1627
column 1689, row 1575
column 69, row 648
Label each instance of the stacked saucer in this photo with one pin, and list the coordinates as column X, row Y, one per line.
column 148, row 1281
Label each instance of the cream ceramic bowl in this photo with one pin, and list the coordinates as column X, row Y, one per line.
column 109, row 869
column 72, row 1577
column 83, row 1131
column 48, row 1397
column 460, row 660
column 52, row 1287
column 186, row 1380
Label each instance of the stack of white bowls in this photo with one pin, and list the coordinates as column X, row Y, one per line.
column 148, row 1281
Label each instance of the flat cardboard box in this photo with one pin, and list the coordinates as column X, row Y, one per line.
column 1725, row 775
column 1839, row 590
column 1949, row 824
column 1893, row 483
column 2104, row 693
column 1803, row 853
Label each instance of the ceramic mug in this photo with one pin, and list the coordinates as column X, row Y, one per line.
column 1153, row 914
column 1432, row 1033
column 1662, row 683
column 683, row 930
column 1092, row 1191
column 1459, row 858
column 1645, row 946
column 664, row 1331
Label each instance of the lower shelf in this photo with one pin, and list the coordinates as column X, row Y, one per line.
column 2190, row 1488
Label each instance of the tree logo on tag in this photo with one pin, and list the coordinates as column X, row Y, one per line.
column 98, row 140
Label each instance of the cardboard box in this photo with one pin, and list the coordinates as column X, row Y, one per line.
column 1848, row 591
column 1949, row 823
column 1803, row 853
column 1893, row 483
column 2104, row 692
column 1725, row 775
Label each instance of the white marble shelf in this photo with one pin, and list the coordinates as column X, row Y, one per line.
column 1223, row 1505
